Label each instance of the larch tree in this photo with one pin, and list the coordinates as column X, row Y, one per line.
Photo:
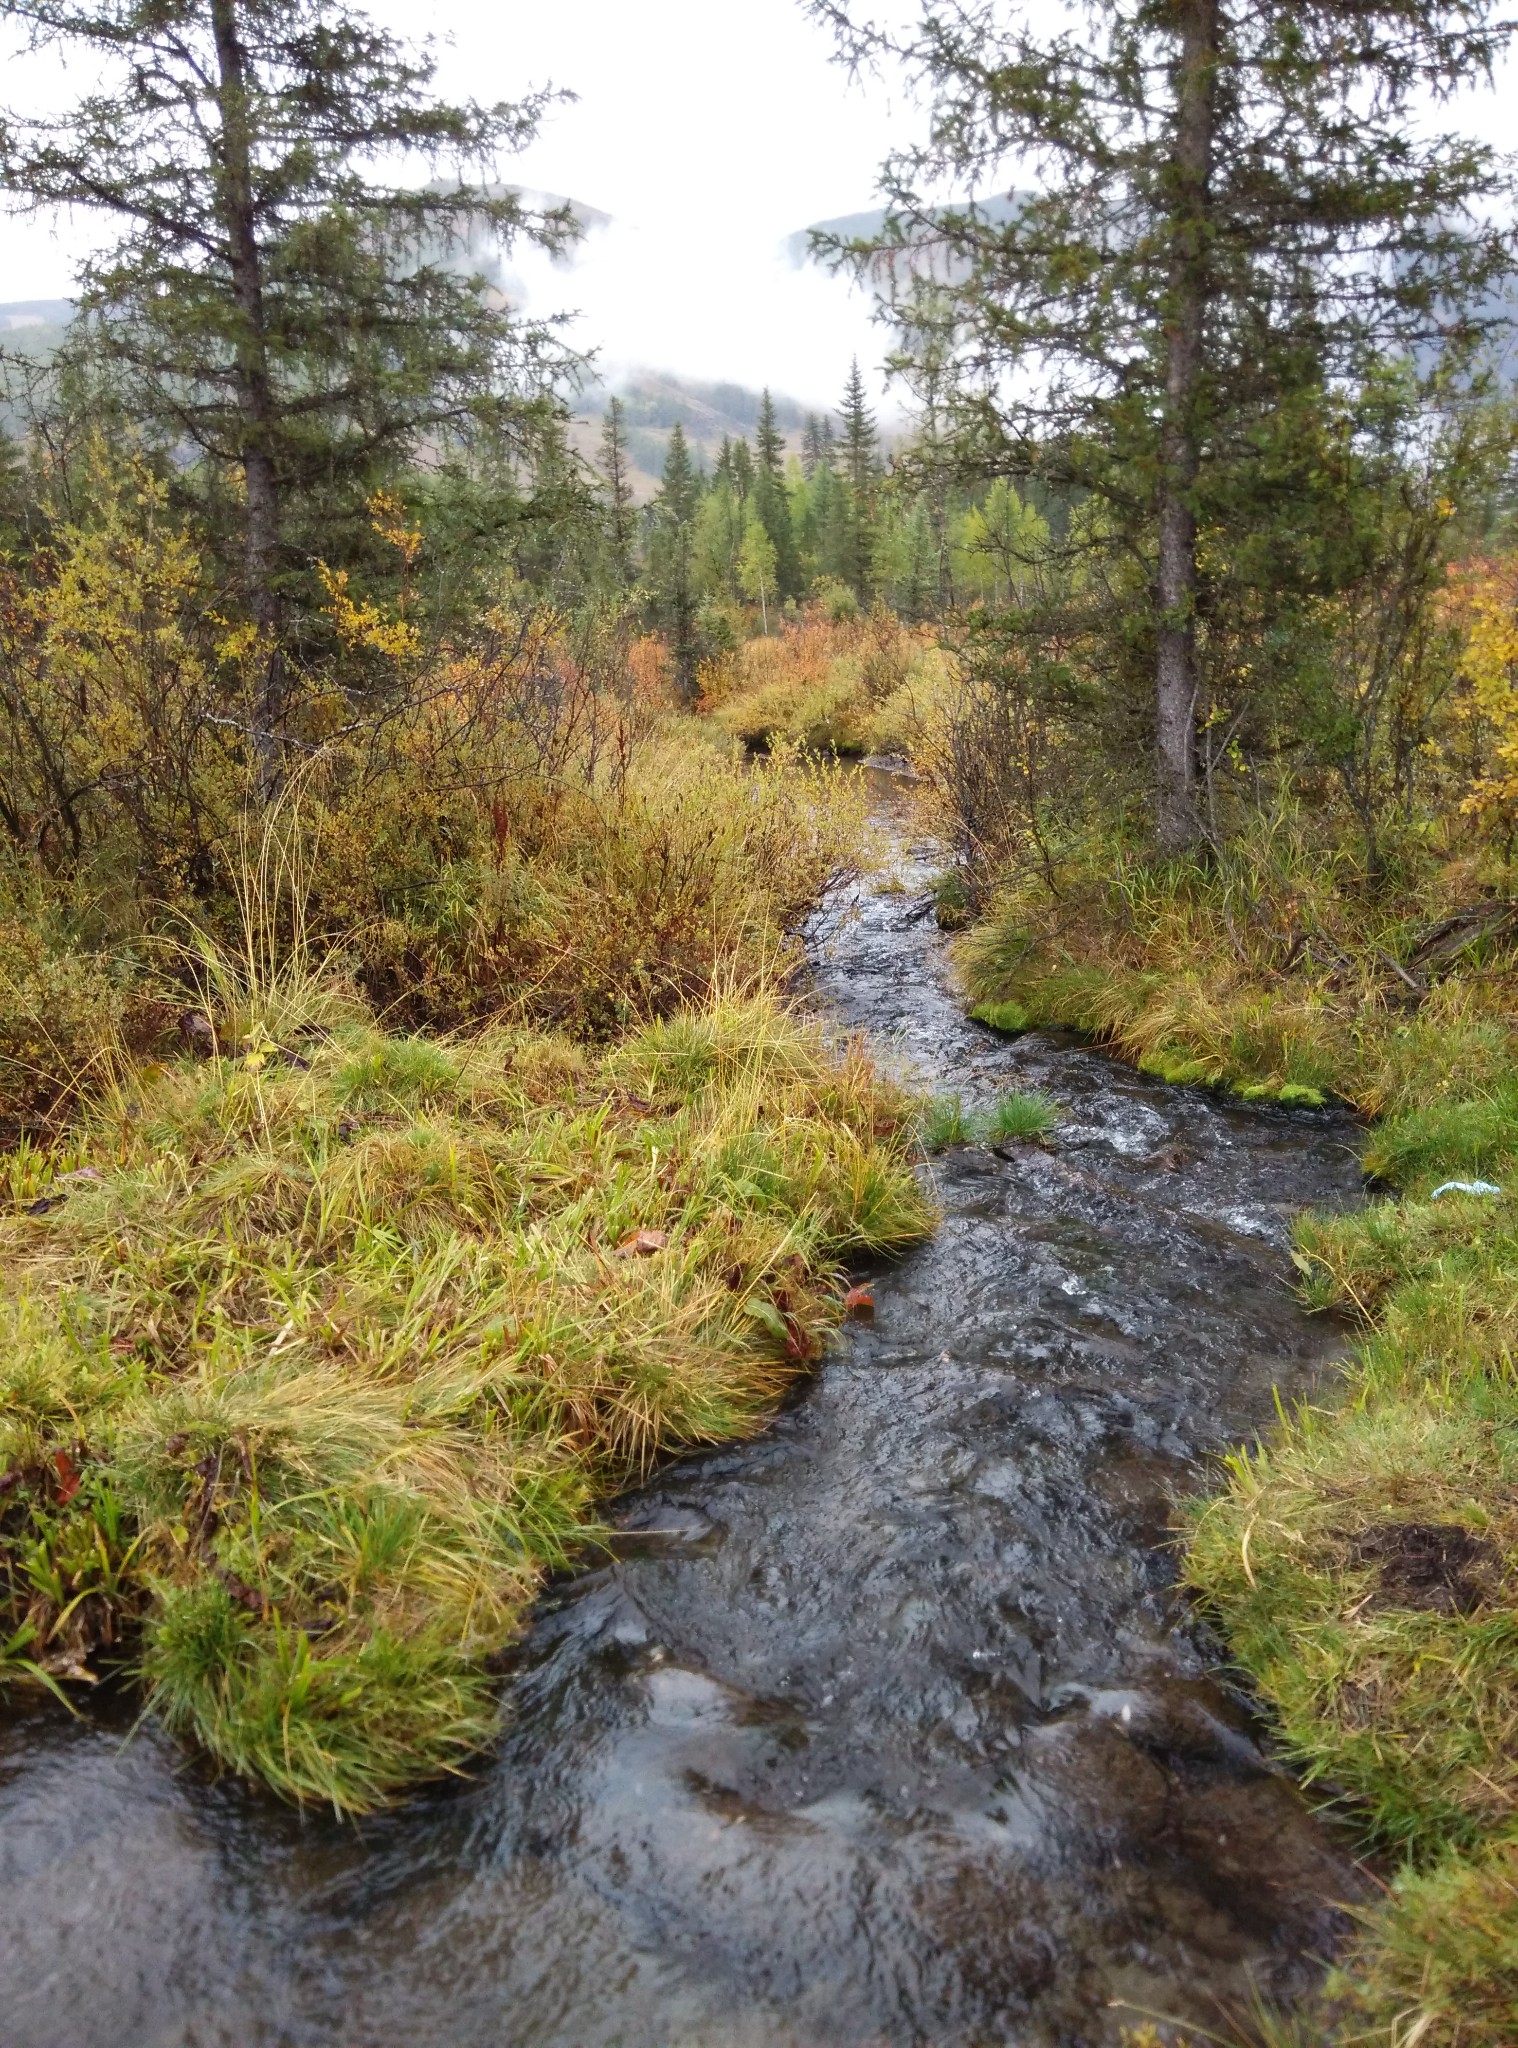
column 1188, row 221
column 267, row 300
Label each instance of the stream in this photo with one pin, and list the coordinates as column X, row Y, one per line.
column 886, row 1728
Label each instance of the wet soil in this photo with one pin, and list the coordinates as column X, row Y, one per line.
column 889, row 1728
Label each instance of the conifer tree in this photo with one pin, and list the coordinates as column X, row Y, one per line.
column 772, row 501
column 860, row 452
column 861, row 443
column 742, row 469
column 671, row 558
column 1220, row 216
column 811, row 446
column 300, row 324
column 616, row 470
column 834, row 527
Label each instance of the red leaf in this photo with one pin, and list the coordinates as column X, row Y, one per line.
column 859, row 1302
column 68, row 1477
column 800, row 1345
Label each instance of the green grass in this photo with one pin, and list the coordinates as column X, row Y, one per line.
column 1008, row 1017
column 945, row 1121
column 328, row 1355
column 1017, row 1116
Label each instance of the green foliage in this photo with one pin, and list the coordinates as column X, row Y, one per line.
column 1013, row 1117
column 671, row 560
column 1008, row 1017
column 262, row 299
column 1172, row 323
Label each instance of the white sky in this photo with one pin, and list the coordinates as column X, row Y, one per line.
column 709, row 129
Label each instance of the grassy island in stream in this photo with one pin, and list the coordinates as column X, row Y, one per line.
column 1363, row 1563
column 314, row 1359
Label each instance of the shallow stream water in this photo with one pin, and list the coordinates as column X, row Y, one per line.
column 888, row 1728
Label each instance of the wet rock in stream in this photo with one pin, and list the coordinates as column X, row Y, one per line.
column 887, row 1728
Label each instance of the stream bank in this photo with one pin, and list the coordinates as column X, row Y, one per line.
column 885, row 1728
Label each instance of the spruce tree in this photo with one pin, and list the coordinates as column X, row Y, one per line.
column 861, row 475
column 811, row 446
column 671, row 558
column 772, row 500
column 303, row 327
column 616, row 470
column 1215, row 219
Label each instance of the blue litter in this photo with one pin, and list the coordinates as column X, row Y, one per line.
column 1466, row 1187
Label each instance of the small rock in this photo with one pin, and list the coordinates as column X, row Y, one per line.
column 1169, row 1159
column 197, row 1035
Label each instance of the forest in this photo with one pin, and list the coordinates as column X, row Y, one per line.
column 416, row 1129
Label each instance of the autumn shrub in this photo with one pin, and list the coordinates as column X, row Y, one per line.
column 511, row 820
column 833, row 683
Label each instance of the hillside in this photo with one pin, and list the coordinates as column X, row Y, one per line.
column 655, row 399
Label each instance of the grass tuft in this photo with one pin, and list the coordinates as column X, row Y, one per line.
column 1019, row 1116
column 945, row 1121
column 315, row 1366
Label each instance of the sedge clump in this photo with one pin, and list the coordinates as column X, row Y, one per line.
column 316, row 1355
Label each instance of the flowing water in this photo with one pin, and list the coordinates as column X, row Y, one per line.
column 888, row 1728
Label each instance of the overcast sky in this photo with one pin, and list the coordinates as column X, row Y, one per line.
column 710, row 131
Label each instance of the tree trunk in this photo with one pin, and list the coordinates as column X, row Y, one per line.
column 1177, row 678
column 255, row 391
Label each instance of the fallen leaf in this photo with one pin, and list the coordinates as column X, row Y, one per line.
column 642, row 1244
column 859, row 1301
column 68, row 1477
column 69, row 1664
